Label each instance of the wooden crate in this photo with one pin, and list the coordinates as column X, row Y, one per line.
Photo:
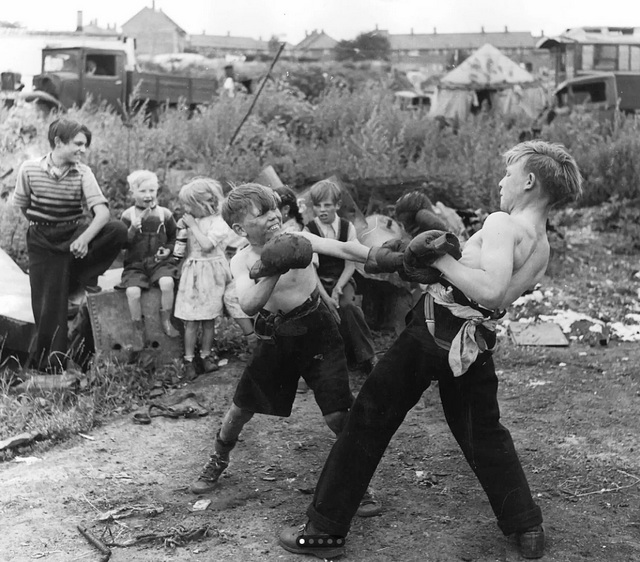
column 114, row 333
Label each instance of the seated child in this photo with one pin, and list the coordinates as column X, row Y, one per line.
column 148, row 258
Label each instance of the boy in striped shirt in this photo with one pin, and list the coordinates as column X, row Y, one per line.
column 67, row 250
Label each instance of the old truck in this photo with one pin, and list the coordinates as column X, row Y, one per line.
column 72, row 76
column 602, row 93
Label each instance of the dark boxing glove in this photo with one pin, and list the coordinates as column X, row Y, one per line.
column 424, row 249
column 387, row 258
column 280, row 254
column 417, row 214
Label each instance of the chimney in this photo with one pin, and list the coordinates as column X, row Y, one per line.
column 506, row 29
column 79, row 21
column 435, row 31
column 412, row 31
column 153, row 5
column 482, row 29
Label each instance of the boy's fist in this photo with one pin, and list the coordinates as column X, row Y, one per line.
column 280, row 254
column 424, row 249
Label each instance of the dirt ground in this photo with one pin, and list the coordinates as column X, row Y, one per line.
column 573, row 413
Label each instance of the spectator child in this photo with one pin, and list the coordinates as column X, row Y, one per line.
column 67, row 252
column 205, row 287
column 151, row 232
column 336, row 275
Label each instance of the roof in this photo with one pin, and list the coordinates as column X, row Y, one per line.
column 593, row 35
column 153, row 19
column 487, row 68
column 228, row 42
column 428, row 41
column 316, row 40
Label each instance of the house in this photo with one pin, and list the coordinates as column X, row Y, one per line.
column 316, row 46
column 155, row 32
column 440, row 52
column 213, row 46
column 586, row 50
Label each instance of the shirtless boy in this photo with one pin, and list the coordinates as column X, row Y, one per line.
column 298, row 336
column 449, row 336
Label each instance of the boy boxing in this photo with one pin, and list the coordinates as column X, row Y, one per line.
column 298, row 336
column 449, row 336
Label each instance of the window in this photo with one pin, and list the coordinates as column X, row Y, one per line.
column 61, row 62
column 101, row 65
column 589, row 93
column 623, row 57
column 634, row 58
column 605, row 57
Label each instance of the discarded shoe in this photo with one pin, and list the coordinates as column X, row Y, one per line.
column 531, row 542
column 369, row 505
column 210, row 474
column 299, row 541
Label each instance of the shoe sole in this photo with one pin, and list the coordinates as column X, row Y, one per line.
column 369, row 510
column 323, row 553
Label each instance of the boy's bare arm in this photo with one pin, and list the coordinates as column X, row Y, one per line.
column 347, row 273
column 80, row 246
column 252, row 296
column 489, row 283
column 352, row 251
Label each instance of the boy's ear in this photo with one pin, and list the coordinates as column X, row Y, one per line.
column 531, row 181
column 338, row 205
column 239, row 230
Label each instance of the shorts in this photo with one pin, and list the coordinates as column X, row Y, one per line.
column 146, row 273
column 269, row 382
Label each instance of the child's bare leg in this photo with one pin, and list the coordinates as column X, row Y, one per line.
column 166, row 306
column 232, row 423
column 190, row 339
column 135, row 307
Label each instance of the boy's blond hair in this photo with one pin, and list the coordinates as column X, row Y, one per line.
column 323, row 190
column 137, row 178
column 242, row 198
column 553, row 166
column 202, row 195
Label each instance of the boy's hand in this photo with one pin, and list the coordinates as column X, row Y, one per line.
column 282, row 253
column 136, row 223
column 336, row 294
column 162, row 253
column 79, row 247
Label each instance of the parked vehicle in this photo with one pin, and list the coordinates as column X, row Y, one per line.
column 604, row 93
column 71, row 76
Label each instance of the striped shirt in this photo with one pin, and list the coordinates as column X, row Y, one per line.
column 51, row 194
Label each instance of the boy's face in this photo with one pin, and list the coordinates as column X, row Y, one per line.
column 513, row 184
column 326, row 210
column 145, row 195
column 70, row 152
column 259, row 228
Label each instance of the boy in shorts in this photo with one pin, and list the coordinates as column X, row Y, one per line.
column 297, row 334
column 151, row 234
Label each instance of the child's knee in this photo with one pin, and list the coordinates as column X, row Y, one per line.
column 166, row 284
column 133, row 292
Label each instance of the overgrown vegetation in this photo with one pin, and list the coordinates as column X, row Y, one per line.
column 355, row 131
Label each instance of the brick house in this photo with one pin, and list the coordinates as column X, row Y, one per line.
column 155, row 32
column 316, row 46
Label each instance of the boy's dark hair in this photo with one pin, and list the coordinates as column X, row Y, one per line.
column 325, row 189
column 553, row 167
column 288, row 197
column 66, row 130
column 242, row 198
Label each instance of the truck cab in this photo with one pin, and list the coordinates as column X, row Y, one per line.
column 74, row 75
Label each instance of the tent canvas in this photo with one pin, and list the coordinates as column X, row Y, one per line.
column 512, row 89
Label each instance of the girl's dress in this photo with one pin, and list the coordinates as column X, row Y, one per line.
column 205, row 275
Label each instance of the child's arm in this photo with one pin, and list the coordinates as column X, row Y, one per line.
column 347, row 273
column 351, row 251
column 204, row 241
column 252, row 296
column 171, row 230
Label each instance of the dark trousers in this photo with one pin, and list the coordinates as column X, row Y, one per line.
column 471, row 410
column 53, row 273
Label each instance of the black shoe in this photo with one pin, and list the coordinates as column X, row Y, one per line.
column 189, row 371
column 211, row 472
column 321, row 545
column 531, row 542
column 209, row 364
column 369, row 506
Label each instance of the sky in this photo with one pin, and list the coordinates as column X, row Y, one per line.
column 341, row 19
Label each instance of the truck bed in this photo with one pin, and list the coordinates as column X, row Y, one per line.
column 167, row 88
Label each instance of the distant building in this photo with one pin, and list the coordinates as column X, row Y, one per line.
column 213, row 46
column 155, row 32
column 440, row 52
column 316, row 46
column 586, row 50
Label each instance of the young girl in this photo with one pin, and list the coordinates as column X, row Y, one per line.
column 203, row 292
